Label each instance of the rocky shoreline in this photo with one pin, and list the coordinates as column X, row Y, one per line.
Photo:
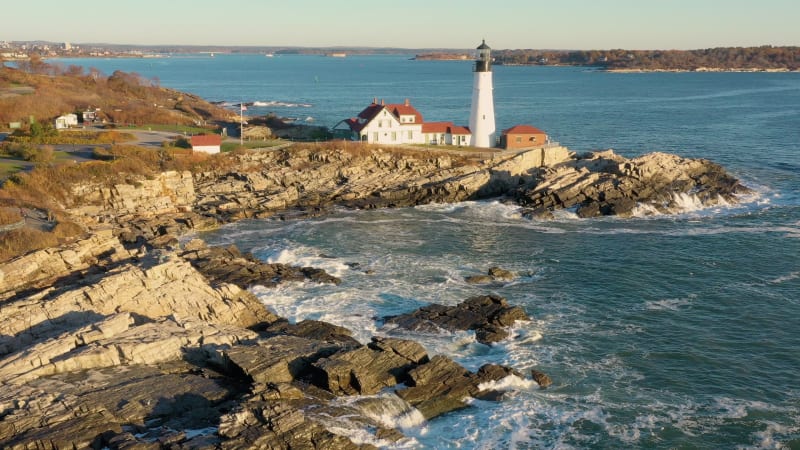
column 131, row 339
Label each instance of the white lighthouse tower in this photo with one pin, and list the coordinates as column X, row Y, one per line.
column 481, row 116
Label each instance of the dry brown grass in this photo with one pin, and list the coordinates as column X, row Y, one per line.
column 122, row 98
column 9, row 216
column 18, row 242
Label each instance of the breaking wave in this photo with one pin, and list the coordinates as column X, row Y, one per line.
column 283, row 104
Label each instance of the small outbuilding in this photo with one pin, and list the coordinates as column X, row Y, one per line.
column 66, row 121
column 522, row 136
column 209, row 143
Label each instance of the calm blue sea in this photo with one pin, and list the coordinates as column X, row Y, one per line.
column 678, row 331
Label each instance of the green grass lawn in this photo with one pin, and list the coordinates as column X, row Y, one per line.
column 59, row 156
column 9, row 167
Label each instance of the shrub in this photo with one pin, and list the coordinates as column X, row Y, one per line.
column 182, row 142
column 21, row 150
column 43, row 155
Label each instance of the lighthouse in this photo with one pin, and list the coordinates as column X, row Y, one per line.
column 481, row 116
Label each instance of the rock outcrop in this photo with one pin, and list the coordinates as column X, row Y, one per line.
column 489, row 316
column 495, row 274
column 128, row 339
column 101, row 249
column 605, row 183
column 243, row 269
column 142, row 350
column 309, row 179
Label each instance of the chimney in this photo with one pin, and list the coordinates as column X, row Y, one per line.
column 374, row 100
column 408, row 103
column 382, row 103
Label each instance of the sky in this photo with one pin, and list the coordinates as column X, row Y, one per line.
column 505, row 24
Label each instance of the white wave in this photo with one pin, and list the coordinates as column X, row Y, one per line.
column 687, row 202
column 669, row 304
column 282, row 104
column 772, row 437
column 305, row 257
column 440, row 207
column 789, row 277
column 509, row 383
column 390, row 411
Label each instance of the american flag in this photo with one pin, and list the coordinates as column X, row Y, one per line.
column 244, row 108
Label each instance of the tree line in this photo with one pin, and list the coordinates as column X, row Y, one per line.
column 725, row 58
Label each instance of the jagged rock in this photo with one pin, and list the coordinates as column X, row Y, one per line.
column 479, row 279
column 42, row 267
column 278, row 425
column 541, row 378
column 229, row 265
column 494, row 274
column 314, row 329
column 279, row 359
column 541, row 213
column 163, row 286
column 604, row 183
column 501, row 274
column 89, row 409
column 487, row 315
column 366, row 370
column 441, row 385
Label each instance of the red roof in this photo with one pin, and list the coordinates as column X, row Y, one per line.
column 204, row 140
column 405, row 109
column 396, row 109
column 444, row 127
column 436, row 127
column 458, row 129
column 523, row 129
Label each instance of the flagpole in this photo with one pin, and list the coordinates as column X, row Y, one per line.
column 241, row 124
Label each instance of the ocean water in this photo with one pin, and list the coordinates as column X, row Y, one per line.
column 672, row 331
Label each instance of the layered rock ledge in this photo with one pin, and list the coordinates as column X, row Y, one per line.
column 604, row 183
column 145, row 347
column 130, row 339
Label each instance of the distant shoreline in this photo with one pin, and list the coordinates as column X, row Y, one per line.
column 702, row 70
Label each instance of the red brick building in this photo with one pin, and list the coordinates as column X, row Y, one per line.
column 522, row 136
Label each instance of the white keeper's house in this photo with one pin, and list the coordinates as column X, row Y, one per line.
column 399, row 123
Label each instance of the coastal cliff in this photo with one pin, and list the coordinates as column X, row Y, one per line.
column 129, row 338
